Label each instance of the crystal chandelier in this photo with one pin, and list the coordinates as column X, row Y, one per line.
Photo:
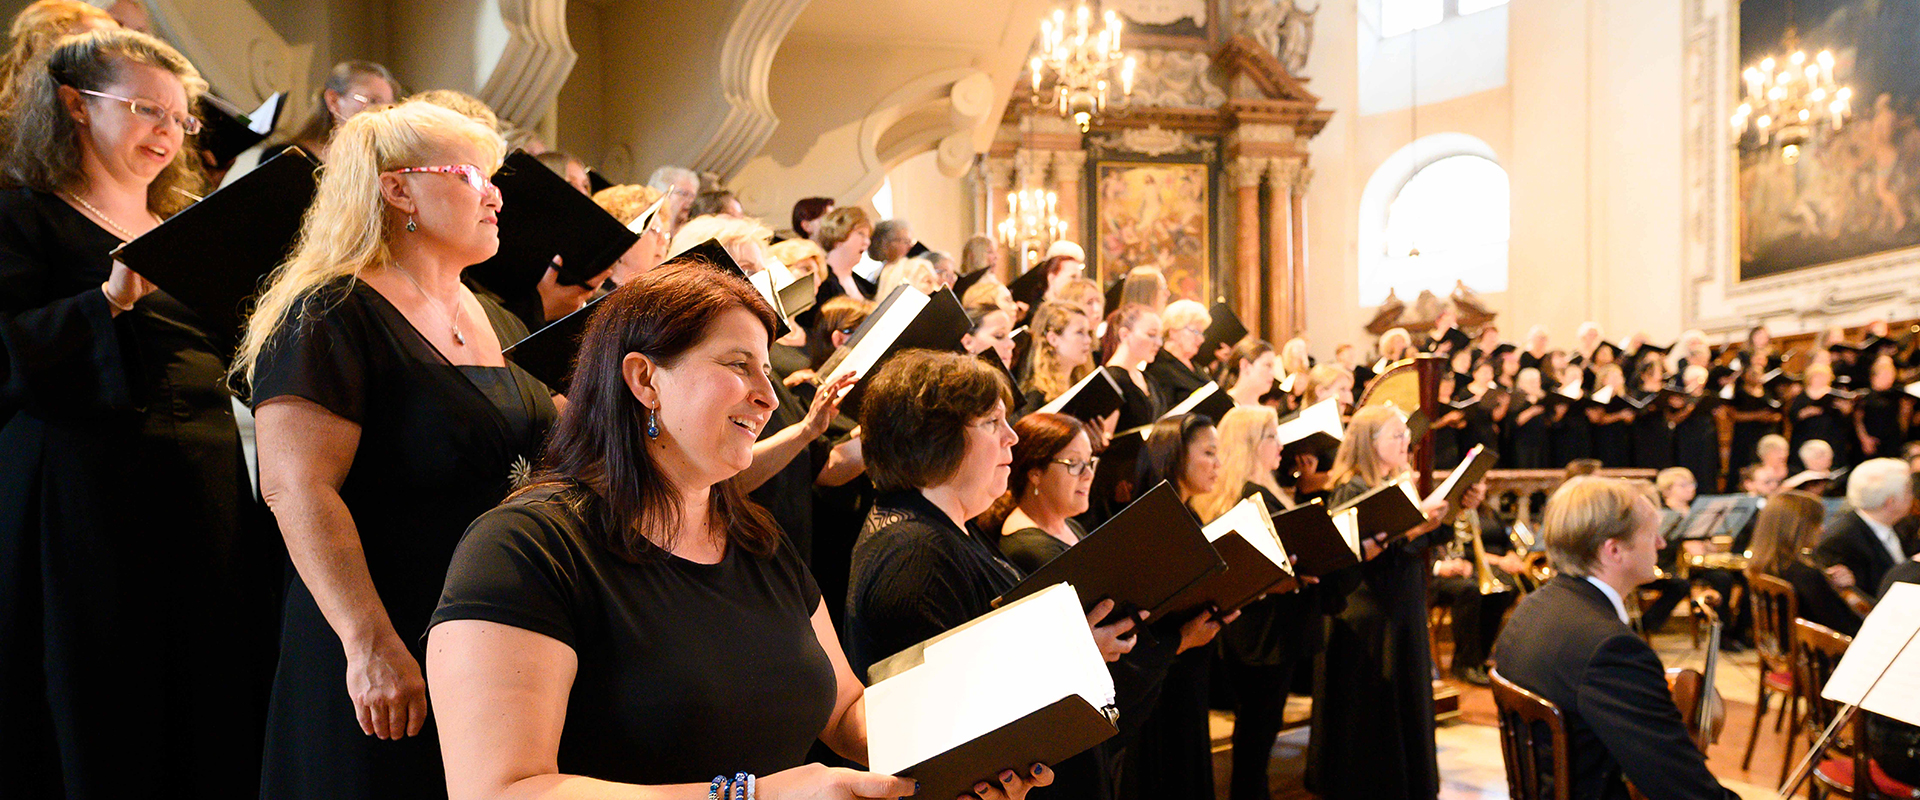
column 1079, row 66
column 1031, row 225
column 1790, row 101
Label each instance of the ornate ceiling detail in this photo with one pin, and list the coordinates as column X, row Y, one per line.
column 1152, row 140
column 537, row 59
column 1175, row 79
column 746, row 58
column 1283, row 27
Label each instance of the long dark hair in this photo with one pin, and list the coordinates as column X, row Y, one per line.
column 599, row 446
column 1042, row 437
column 1164, row 457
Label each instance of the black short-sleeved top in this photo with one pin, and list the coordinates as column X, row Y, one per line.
column 1029, row 548
column 916, row 575
column 439, row 444
column 686, row 670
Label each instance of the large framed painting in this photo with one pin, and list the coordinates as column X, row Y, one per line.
column 1854, row 192
column 1155, row 214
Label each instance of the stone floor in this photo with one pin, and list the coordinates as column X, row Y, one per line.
column 1469, row 746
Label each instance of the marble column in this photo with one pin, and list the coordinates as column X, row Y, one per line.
column 1283, row 285
column 1245, row 173
column 1068, row 166
column 1303, row 175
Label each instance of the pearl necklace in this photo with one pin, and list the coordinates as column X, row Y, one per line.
column 124, row 233
column 453, row 321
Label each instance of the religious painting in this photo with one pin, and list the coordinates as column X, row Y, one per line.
column 1842, row 194
column 1155, row 215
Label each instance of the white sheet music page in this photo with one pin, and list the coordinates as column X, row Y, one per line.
column 1015, row 660
column 1321, row 417
column 881, row 336
column 1348, row 524
column 1887, row 651
column 1250, row 521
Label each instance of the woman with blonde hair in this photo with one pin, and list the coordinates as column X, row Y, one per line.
column 1145, row 286
column 844, row 233
column 1062, row 353
column 388, row 420
column 1274, row 635
column 915, row 272
column 626, row 202
column 137, row 622
column 1184, row 331
column 1247, row 374
column 35, row 31
column 1372, row 732
column 1133, row 339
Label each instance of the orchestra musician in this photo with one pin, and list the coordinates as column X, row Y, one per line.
column 1863, row 540
column 1569, row 641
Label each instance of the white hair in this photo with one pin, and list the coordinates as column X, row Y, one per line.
column 1876, row 481
column 1813, row 447
column 665, row 177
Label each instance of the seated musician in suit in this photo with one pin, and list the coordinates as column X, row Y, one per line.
column 1863, row 540
column 1569, row 642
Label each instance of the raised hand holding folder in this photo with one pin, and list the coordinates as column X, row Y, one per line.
column 907, row 319
column 1143, row 558
column 1024, row 683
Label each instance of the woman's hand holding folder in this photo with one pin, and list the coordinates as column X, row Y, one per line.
column 124, row 287
column 1115, row 640
column 1199, row 631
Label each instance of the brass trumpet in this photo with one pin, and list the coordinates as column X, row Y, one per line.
column 1467, row 526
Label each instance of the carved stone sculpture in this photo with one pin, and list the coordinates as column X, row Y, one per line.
column 1281, row 26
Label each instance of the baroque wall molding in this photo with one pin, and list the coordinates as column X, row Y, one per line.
column 1151, row 140
column 746, row 58
column 1175, row 79
column 536, row 62
column 1713, row 298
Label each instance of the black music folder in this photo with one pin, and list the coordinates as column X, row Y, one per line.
column 955, row 710
column 1143, row 558
column 213, row 255
column 1112, row 296
column 1031, row 288
column 1095, row 396
column 965, row 282
column 907, row 319
column 1471, row 469
column 1324, row 543
column 543, row 216
column 1391, row 507
column 1257, row 563
column 714, row 253
column 548, row 353
column 230, row 131
column 1225, row 328
column 1209, row 400
column 1314, row 429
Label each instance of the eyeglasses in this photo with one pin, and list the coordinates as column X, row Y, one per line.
column 151, row 111
column 365, row 100
column 1078, row 468
column 467, row 172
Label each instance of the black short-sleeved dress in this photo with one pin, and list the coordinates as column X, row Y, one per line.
column 136, row 616
column 916, row 575
column 686, row 670
column 1031, row 548
column 439, row 445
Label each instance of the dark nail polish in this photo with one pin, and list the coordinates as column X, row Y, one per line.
column 1036, row 770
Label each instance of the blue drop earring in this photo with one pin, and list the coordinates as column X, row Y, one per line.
column 653, row 423
column 410, row 226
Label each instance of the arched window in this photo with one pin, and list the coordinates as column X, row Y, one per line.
column 1436, row 212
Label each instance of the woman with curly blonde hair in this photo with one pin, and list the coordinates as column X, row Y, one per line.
column 133, row 630
column 388, row 420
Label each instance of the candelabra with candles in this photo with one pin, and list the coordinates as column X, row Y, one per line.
column 1083, row 64
column 1032, row 224
column 1788, row 102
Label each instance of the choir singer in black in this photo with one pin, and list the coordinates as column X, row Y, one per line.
column 388, row 420
column 1569, row 642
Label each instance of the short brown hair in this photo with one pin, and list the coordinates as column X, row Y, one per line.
column 626, row 201
column 1584, row 514
column 915, row 413
column 839, row 224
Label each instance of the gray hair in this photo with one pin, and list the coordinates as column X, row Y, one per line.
column 883, row 234
column 665, row 177
column 1876, row 481
column 1813, row 446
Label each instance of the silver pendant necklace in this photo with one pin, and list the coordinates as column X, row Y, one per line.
column 453, row 321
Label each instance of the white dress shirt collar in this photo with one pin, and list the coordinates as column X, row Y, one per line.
column 1619, row 607
column 1888, row 539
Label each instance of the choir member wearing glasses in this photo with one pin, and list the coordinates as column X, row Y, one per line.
column 388, row 419
column 1372, row 730
column 1172, row 373
column 137, row 623
column 351, row 88
column 631, row 619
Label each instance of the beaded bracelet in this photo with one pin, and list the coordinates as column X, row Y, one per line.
column 717, row 789
column 743, row 786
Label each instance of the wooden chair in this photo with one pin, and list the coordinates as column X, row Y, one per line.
column 1817, row 650
column 1533, row 741
column 1775, row 607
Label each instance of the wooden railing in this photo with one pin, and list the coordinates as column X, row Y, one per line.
column 1514, row 491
